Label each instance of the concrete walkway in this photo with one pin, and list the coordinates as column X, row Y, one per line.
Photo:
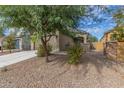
column 9, row 59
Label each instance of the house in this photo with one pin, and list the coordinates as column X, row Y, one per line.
column 59, row 42
column 22, row 39
column 107, row 36
column 113, row 48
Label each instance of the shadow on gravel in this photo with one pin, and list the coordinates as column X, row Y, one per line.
column 58, row 59
column 99, row 61
column 96, row 59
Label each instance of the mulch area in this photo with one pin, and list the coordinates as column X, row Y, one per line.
column 93, row 71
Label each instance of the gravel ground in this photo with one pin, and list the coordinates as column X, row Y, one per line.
column 94, row 70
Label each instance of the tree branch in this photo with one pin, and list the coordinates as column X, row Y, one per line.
column 49, row 38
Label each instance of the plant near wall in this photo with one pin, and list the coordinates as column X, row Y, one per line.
column 119, row 29
column 41, row 51
column 74, row 54
column 118, row 35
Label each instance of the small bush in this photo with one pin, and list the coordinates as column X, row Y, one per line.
column 9, row 42
column 74, row 54
column 41, row 50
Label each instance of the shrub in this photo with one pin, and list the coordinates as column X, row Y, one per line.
column 41, row 50
column 9, row 42
column 74, row 54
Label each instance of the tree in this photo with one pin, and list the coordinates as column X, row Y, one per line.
column 119, row 17
column 93, row 38
column 10, row 42
column 42, row 20
column 34, row 39
column 1, row 31
column 119, row 29
column 118, row 33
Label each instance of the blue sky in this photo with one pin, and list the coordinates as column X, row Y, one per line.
column 99, row 28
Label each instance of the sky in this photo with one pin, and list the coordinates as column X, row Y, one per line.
column 99, row 28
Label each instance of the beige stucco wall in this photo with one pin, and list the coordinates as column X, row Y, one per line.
column 61, row 42
column 98, row 46
column 54, row 43
column 84, row 36
column 120, row 51
column 64, row 41
column 115, row 51
column 107, row 36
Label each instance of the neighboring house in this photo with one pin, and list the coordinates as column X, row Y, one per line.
column 100, row 45
column 113, row 49
column 23, row 41
column 107, row 36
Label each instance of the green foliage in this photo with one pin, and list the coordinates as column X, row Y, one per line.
column 119, row 17
column 41, row 50
column 118, row 34
column 93, row 38
column 9, row 42
column 42, row 20
column 74, row 54
column 34, row 37
column 1, row 32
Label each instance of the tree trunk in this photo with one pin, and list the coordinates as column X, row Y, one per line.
column 10, row 48
column 10, row 51
column 46, row 54
column 34, row 46
column 2, row 49
column 46, row 50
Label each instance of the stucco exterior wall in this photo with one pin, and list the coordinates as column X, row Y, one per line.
column 61, row 42
column 84, row 36
column 115, row 51
column 120, row 51
column 98, row 46
column 107, row 36
column 54, row 43
column 65, row 42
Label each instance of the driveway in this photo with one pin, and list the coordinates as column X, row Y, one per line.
column 9, row 59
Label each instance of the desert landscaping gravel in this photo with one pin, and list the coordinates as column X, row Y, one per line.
column 94, row 70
